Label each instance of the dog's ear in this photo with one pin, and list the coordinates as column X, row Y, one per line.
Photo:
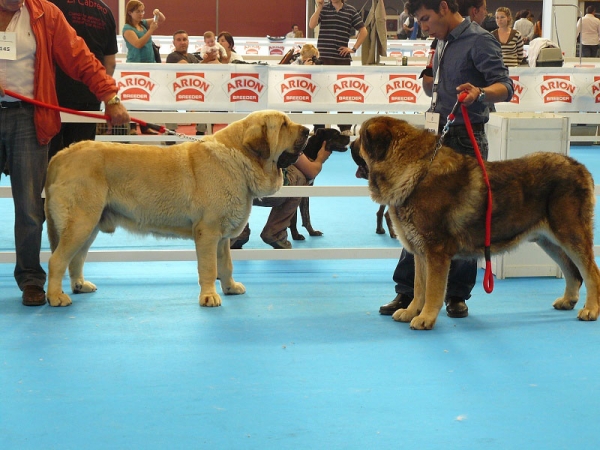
column 376, row 137
column 257, row 141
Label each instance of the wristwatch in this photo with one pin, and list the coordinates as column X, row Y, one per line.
column 481, row 96
column 113, row 101
column 353, row 50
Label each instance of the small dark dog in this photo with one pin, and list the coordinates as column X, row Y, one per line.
column 334, row 142
column 361, row 172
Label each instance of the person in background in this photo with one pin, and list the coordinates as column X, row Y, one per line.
column 98, row 29
column 537, row 29
column 44, row 38
column 137, row 32
column 524, row 25
column 476, row 10
column 295, row 32
column 226, row 40
column 336, row 21
column 509, row 38
column 412, row 29
column 212, row 48
column 180, row 55
column 403, row 16
column 308, row 55
column 588, row 30
column 467, row 59
column 274, row 233
column 489, row 23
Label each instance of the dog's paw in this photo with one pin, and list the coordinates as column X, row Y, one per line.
column 234, row 289
column 587, row 314
column 61, row 299
column 564, row 303
column 210, row 300
column 83, row 288
column 404, row 315
column 422, row 323
column 315, row 233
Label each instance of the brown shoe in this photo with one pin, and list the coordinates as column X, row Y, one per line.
column 34, row 296
column 400, row 302
column 238, row 243
column 281, row 244
column 456, row 307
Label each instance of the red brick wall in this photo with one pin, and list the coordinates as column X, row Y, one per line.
column 239, row 17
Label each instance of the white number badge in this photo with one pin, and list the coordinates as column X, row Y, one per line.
column 8, row 45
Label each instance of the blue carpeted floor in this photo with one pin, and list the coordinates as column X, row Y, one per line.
column 301, row 361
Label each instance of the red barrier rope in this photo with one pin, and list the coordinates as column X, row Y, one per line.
column 153, row 126
column 488, row 279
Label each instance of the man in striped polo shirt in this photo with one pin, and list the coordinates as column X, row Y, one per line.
column 337, row 22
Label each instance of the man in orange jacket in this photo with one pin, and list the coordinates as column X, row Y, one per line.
column 38, row 37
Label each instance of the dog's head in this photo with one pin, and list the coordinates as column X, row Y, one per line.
column 376, row 137
column 392, row 154
column 334, row 140
column 382, row 138
column 372, row 143
column 271, row 135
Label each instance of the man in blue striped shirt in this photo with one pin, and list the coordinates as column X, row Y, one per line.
column 337, row 22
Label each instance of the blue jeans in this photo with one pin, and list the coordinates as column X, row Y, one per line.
column 463, row 272
column 27, row 162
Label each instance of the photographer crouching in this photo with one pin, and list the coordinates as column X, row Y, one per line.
column 309, row 55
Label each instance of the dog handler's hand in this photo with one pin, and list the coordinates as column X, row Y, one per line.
column 472, row 93
column 118, row 114
column 323, row 154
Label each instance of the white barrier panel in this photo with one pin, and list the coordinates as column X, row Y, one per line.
column 252, row 87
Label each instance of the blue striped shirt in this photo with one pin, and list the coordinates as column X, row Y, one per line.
column 336, row 28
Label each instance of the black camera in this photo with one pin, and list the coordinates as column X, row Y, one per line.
column 316, row 61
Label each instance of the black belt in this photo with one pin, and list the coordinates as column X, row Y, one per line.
column 10, row 105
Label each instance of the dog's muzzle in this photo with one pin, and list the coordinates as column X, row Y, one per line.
column 288, row 158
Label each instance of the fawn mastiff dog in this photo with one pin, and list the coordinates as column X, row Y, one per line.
column 201, row 190
column 437, row 203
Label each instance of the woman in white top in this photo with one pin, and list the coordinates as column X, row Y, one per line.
column 510, row 39
column 226, row 41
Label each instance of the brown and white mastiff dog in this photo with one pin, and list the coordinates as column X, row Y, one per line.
column 437, row 203
column 199, row 190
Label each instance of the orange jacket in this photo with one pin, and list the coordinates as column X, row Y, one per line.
column 58, row 43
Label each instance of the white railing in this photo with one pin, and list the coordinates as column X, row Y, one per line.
column 286, row 191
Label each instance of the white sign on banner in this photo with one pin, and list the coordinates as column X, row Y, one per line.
column 252, row 87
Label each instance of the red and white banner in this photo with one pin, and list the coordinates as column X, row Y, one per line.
column 251, row 87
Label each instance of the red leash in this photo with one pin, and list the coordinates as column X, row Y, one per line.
column 153, row 126
column 488, row 279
